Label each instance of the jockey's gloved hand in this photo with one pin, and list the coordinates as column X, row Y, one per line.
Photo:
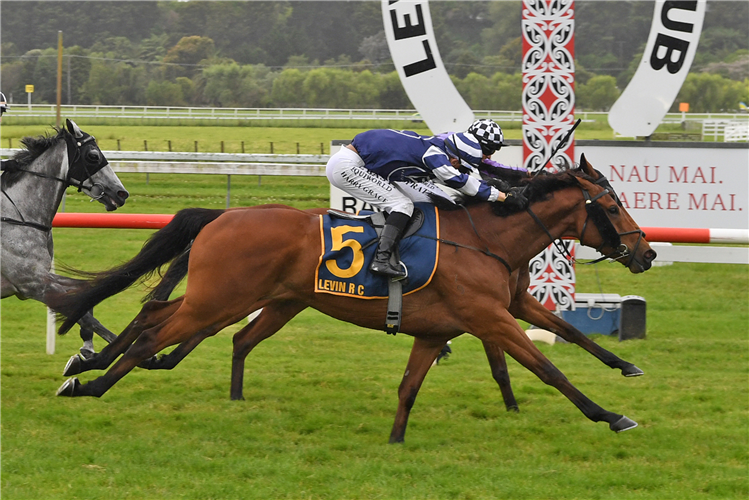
column 516, row 196
column 502, row 185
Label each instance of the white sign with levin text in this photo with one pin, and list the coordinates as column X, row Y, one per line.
column 413, row 48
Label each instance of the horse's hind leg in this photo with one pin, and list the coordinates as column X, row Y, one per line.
column 273, row 317
column 423, row 354
column 498, row 364
column 205, row 318
column 527, row 308
column 150, row 315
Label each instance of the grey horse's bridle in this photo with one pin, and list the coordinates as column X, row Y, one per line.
column 79, row 171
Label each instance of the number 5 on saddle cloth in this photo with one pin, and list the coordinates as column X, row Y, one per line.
column 348, row 248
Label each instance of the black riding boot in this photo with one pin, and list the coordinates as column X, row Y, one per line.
column 391, row 235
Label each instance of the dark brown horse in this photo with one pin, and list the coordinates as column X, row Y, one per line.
column 266, row 257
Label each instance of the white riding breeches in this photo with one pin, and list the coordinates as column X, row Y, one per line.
column 346, row 171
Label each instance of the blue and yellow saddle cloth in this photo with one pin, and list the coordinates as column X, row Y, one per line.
column 348, row 248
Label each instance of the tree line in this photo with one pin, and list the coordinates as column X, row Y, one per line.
column 333, row 54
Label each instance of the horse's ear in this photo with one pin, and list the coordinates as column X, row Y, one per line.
column 587, row 167
column 73, row 128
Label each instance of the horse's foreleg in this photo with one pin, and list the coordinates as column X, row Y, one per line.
column 498, row 364
column 150, row 315
column 423, row 354
column 513, row 340
column 272, row 318
column 527, row 308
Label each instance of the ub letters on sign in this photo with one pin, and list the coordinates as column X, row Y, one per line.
column 670, row 51
column 665, row 63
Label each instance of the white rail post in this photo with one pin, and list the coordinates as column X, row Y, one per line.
column 51, row 323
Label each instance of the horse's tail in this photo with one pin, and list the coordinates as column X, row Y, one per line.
column 174, row 274
column 170, row 242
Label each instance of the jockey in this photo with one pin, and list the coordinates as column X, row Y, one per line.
column 5, row 164
column 376, row 161
column 491, row 139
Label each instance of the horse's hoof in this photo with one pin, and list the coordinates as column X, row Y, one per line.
column 513, row 408
column 69, row 387
column 73, row 367
column 87, row 353
column 623, row 424
column 632, row 371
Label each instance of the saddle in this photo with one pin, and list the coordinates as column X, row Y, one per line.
column 377, row 220
column 395, row 285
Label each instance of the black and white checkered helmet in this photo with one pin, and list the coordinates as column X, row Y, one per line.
column 3, row 104
column 489, row 135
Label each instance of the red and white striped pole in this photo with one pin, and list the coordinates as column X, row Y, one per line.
column 157, row 221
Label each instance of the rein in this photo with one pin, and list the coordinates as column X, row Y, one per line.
column 621, row 250
column 485, row 250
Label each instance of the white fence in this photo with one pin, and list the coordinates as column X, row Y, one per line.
column 730, row 130
column 194, row 113
column 201, row 113
column 736, row 132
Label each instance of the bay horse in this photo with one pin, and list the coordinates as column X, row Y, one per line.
column 253, row 258
column 33, row 183
column 523, row 306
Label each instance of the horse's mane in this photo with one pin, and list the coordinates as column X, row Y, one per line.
column 537, row 188
column 34, row 147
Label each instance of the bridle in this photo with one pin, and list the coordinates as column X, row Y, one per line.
column 609, row 234
column 595, row 212
column 84, row 160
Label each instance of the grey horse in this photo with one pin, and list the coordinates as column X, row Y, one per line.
column 33, row 184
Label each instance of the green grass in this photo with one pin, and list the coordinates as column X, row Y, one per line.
column 321, row 396
column 209, row 138
column 256, row 139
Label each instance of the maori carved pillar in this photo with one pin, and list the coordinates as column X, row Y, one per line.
column 548, row 29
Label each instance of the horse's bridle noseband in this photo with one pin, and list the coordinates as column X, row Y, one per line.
column 79, row 171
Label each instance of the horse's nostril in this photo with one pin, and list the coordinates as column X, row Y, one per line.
column 123, row 194
column 650, row 255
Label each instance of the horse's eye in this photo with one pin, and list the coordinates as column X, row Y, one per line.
column 92, row 156
column 613, row 209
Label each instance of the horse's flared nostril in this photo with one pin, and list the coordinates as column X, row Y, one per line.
column 123, row 195
column 650, row 255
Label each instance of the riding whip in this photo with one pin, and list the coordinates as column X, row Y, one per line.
column 559, row 146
